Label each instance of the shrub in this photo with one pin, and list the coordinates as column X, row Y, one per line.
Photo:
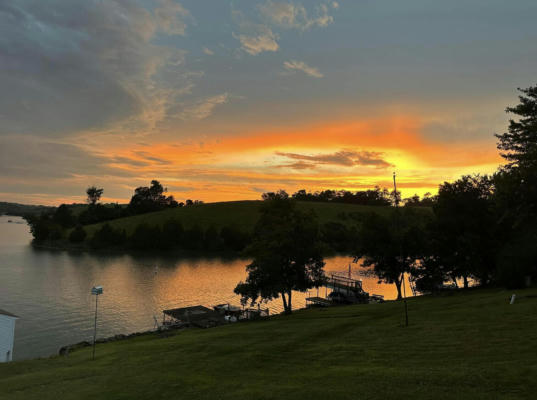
column 234, row 239
column 107, row 237
column 77, row 235
column 146, row 237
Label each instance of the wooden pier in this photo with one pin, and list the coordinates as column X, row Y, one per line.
column 345, row 290
column 203, row 317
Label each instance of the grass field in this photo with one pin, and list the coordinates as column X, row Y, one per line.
column 240, row 214
column 471, row 345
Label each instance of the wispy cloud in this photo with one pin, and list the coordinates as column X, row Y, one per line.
column 171, row 17
column 262, row 40
column 347, row 158
column 291, row 15
column 96, row 59
column 294, row 65
column 203, row 108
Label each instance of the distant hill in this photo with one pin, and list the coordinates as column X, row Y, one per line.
column 240, row 214
column 22, row 209
column 215, row 227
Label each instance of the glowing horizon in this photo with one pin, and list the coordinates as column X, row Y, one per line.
column 225, row 102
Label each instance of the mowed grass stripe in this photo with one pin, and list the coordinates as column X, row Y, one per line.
column 471, row 345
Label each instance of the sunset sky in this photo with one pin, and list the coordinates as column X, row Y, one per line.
column 225, row 99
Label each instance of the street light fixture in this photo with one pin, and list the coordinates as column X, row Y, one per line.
column 96, row 290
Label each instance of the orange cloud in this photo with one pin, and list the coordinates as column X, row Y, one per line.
column 240, row 166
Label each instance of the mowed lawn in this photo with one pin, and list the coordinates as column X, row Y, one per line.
column 471, row 345
column 240, row 214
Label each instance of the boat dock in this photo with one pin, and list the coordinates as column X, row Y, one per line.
column 345, row 290
column 204, row 317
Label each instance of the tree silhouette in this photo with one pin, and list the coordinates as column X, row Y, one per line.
column 519, row 143
column 94, row 194
column 286, row 253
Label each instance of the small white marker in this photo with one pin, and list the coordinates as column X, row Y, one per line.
column 513, row 297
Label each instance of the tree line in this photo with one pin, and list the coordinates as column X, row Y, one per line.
column 170, row 236
column 50, row 225
column 369, row 197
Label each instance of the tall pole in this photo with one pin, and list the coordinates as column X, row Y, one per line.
column 95, row 327
column 400, row 249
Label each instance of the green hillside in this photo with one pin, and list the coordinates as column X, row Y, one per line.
column 472, row 345
column 240, row 214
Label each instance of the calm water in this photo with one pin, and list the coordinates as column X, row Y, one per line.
column 50, row 290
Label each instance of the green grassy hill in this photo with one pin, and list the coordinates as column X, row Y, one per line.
column 240, row 214
column 471, row 345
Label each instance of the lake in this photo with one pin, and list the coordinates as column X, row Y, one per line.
column 50, row 290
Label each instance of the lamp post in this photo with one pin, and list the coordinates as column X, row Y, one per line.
column 96, row 290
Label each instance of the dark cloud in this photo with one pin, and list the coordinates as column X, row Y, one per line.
column 75, row 65
column 147, row 156
column 297, row 165
column 347, row 158
column 129, row 161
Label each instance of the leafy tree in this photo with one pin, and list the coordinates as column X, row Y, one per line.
column 146, row 237
column 516, row 191
column 212, row 240
column 279, row 195
column 99, row 213
column 152, row 198
column 172, row 234
column 193, row 238
column 234, row 239
column 64, row 217
column 338, row 236
column 286, row 253
column 107, row 236
column 466, row 227
column 94, row 194
column 519, row 143
column 373, row 197
column 40, row 227
column 427, row 201
column 392, row 244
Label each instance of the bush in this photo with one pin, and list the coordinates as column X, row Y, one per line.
column 146, row 237
column 339, row 237
column 234, row 239
column 77, row 235
column 172, row 234
column 64, row 217
column 517, row 261
column 212, row 240
column 193, row 238
column 107, row 237
column 96, row 213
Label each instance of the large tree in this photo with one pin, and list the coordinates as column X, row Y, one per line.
column 286, row 252
column 516, row 192
column 519, row 143
column 151, row 198
column 516, row 182
column 94, row 194
column 465, row 228
column 392, row 244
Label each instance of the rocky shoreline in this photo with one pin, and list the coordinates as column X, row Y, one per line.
column 161, row 333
